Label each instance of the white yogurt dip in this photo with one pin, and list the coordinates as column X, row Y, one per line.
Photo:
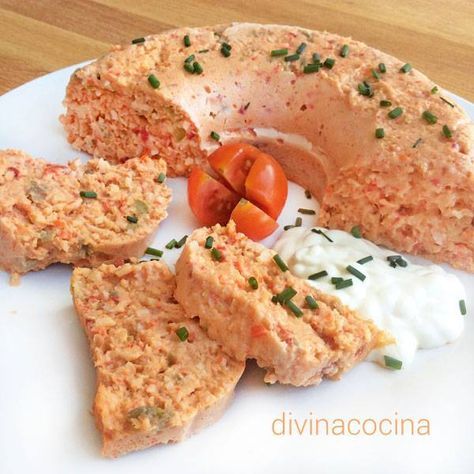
column 419, row 305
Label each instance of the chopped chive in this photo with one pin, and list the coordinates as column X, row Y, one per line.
column 307, row 193
column 316, row 58
column 225, row 52
column 462, row 307
column 182, row 333
column 309, row 212
column 365, row 89
column 344, row 51
column 311, row 302
column 279, row 52
column 335, row 280
column 203, row 51
column 320, row 232
column 216, row 254
column 375, row 74
column 294, row 309
column 396, row 112
column 88, row 194
column 298, row 222
column 274, row 299
column 215, row 136
column 197, row 68
column 286, row 295
column 382, row 68
column 189, row 67
column 447, row 102
column 434, row 90
column 181, row 242
column 329, row 63
column 395, row 260
column 429, row 117
column 288, row 227
column 364, row 260
column 406, row 68
column 247, row 105
column 418, row 141
column 356, row 272
column 310, row 68
column 209, row 242
column 281, row 264
column 301, row 48
column 171, row 244
column 161, row 178
column 392, row 363
column 343, row 284
column 187, row 41
column 155, row 252
column 356, row 231
column 385, row 103
column 154, row 82
column 132, row 219
column 138, row 40
column 226, row 46
column 447, row 132
column 379, row 133
column 253, row 283
column 292, row 57
column 316, row 276
column 190, row 59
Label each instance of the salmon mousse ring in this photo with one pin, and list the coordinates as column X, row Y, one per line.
column 159, row 377
column 246, row 299
column 376, row 141
column 79, row 214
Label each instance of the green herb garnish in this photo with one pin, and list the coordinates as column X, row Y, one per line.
column 215, row 136
column 279, row 52
column 329, row 63
column 434, row 90
column 447, row 132
column 429, row 117
column 310, row 68
column 462, row 307
column 382, row 68
column 364, row 260
column 298, row 222
column 88, row 194
column 132, row 219
column 320, row 232
column 292, row 57
column 365, row 89
column 190, row 59
column 253, row 283
column 216, row 254
column 311, row 302
column 375, row 74
column 182, row 333
column 288, row 227
column 153, row 251
column 418, row 141
column 209, row 242
column 392, row 363
column 356, row 232
column 138, row 40
column 154, row 82
column 294, row 309
column 316, row 276
column 187, row 41
column 447, row 102
column 161, row 178
column 171, row 244
column 197, row 68
column 344, row 51
column 301, row 48
column 343, row 284
column 396, row 112
column 307, row 193
column 335, row 280
column 385, row 103
column 309, row 212
column 406, row 68
column 281, row 264
column 379, row 133
column 286, row 295
column 356, row 272
column 181, row 242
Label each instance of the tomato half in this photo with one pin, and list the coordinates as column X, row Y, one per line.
column 210, row 201
column 266, row 185
column 252, row 221
column 233, row 162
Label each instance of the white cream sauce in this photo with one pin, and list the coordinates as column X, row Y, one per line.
column 418, row 305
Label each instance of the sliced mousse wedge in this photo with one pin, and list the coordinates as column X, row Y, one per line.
column 80, row 214
column 246, row 299
column 159, row 377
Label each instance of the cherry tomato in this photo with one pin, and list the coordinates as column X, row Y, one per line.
column 266, row 185
column 233, row 162
column 210, row 201
column 252, row 221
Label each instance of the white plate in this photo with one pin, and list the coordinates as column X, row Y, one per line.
column 47, row 378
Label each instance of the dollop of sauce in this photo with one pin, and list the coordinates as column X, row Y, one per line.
column 418, row 305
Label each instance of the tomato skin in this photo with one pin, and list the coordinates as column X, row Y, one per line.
column 252, row 221
column 266, row 185
column 233, row 162
column 210, row 201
